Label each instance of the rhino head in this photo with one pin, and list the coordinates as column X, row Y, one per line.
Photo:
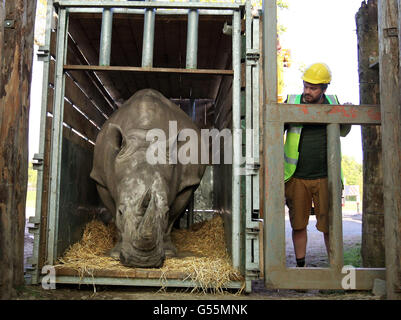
column 141, row 218
column 140, row 196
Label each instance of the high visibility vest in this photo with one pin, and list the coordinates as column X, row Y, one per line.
column 294, row 131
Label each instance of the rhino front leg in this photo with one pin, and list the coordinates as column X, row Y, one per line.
column 177, row 208
column 169, row 248
column 115, row 252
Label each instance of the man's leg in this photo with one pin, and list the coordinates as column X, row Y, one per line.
column 320, row 198
column 299, row 239
column 299, row 202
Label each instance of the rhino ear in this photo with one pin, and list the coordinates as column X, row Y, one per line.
column 115, row 136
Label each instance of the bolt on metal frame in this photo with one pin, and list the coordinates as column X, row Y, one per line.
column 149, row 9
column 277, row 275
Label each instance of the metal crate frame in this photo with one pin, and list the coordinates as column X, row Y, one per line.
column 250, row 120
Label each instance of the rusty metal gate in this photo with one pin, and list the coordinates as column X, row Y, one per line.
column 277, row 275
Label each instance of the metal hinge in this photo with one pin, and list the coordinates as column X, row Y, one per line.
column 37, row 161
column 43, row 53
column 36, row 224
column 252, row 233
column 252, row 168
column 255, row 215
column 252, row 56
column 252, row 273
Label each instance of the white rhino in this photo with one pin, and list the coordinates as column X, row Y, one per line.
column 144, row 199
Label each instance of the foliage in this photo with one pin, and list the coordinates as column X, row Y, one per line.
column 32, row 175
column 352, row 171
column 353, row 257
column 31, row 193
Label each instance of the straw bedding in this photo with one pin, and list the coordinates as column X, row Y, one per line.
column 202, row 254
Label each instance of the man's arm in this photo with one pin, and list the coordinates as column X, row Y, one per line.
column 345, row 128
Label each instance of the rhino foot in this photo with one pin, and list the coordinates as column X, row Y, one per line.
column 115, row 252
column 169, row 248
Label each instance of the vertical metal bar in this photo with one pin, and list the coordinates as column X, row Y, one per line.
column 248, row 148
column 43, row 113
column 57, row 136
column 105, row 37
column 273, row 158
column 148, row 38
column 270, row 50
column 192, row 38
column 248, row 112
column 256, row 112
column 334, row 182
column 237, row 136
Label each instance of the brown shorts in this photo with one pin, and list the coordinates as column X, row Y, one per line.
column 299, row 194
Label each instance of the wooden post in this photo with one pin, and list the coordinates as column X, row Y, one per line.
column 17, row 19
column 373, row 251
column 391, row 137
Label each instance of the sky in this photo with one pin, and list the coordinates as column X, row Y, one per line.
column 325, row 31
column 316, row 31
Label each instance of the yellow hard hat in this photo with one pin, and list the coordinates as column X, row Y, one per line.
column 317, row 73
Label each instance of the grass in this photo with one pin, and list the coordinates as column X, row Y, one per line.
column 353, row 257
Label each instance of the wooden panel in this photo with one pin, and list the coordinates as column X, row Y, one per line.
column 196, row 72
column 169, row 52
column 77, row 190
column 76, row 120
column 78, row 140
column 224, row 105
column 90, row 89
column 78, row 98
column 140, row 273
column 81, row 37
column 88, row 81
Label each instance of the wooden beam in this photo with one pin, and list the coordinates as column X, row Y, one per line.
column 152, row 70
column 324, row 278
column 391, row 136
column 323, row 113
column 17, row 19
column 373, row 249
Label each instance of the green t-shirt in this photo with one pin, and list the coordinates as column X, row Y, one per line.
column 312, row 161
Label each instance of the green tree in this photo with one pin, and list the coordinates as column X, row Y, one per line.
column 32, row 175
column 352, row 171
